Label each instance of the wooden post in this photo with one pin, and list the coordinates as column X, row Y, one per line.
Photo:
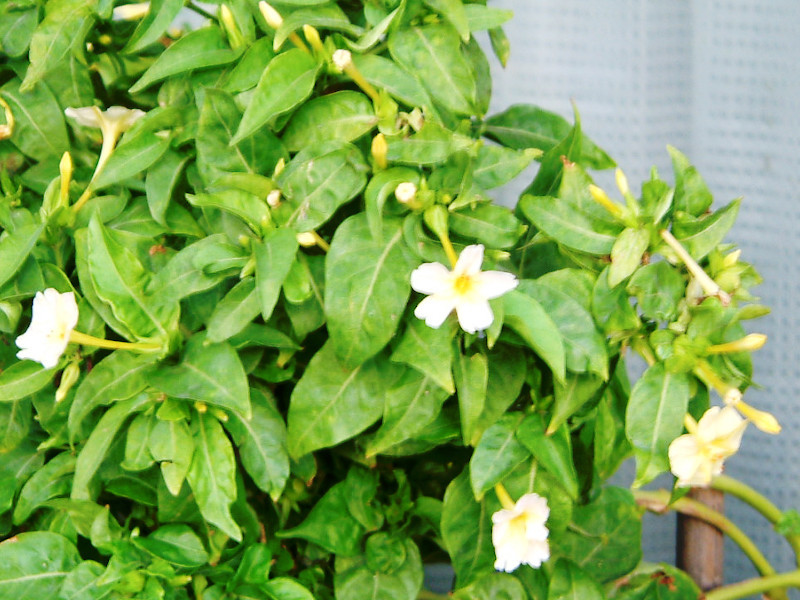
column 700, row 545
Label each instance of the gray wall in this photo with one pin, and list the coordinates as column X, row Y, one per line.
column 719, row 80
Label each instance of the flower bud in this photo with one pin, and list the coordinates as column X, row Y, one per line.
column 307, row 239
column 232, row 30
column 748, row 343
column 274, row 198
column 312, row 36
column 131, row 12
column 279, row 167
column 405, row 192
column 342, row 59
column 8, row 128
column 602, row 198
column 379, row 150
column 271, row 16
column 622, row 182
column 731, row 259
column 68, row 378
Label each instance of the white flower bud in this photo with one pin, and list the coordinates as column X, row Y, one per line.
column 342, row 59
column 274, row 198
column 307, row 239
column 405, row 192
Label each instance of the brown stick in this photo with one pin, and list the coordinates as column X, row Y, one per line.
column 700, row 545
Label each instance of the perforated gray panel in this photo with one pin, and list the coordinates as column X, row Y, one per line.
column 719, row 80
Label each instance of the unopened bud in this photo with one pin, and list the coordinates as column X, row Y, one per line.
column 271, row 16
column 231, row 28
column 201, row 407
column 307, row 239
column 68, row 378
column 279, row 167
column 731, row 259
column 602, row 198
column 131, row 12
column 312, row 36
column 748, row 343
column 622, row 182
column 65, row 170
column 416, row 119
column 8, row 128
column 274, row 198
column 379, row 151
column 765, row 421
column 342, row 59
column 405, row 192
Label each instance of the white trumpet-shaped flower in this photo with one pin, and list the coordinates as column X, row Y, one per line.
column 466, row 289
column 696, row 457
column 54, row 317
column 112, row 122
column 519, row 534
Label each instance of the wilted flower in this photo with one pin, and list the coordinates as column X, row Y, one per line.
column 54, row 317
column 696, row 457
column 466, row 289
column 519, row 534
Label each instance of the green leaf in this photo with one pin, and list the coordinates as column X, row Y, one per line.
column 570, row 396
column 210, row 373
column 691, row 193
column 455, row 12
column 343, row 116
column 701, row 235
column 322, row 17
column 380, row 187
column 262, row 444
column 100, row 440
column 467, row 531
column 611, row 307
column 62, row 31
column 496, row 165
column 493, row 585
column 332, row 402
column 234, row 312
column 471, row 378
column 39, row 129
column 286, row 589
column 137, row 453
column 23, row 379
column 367, row 289
column 661, row 581
column 585, row 348
column 120, row 280
column 605, row 536
column 200, row 49
column 317, row 181
column 249, row 208
column 286, row 82
column 15, row 248
column 411, row 405
column 433, row 53
column 659, row 288
column 497, row 454
column 16, row 418
column 177, row 544
column 161, row 14
column 220, row 152
column 212, row 474
column 394, row 575
column 492, row 225
column 131, row 157
column 526, row 126
column 529, row 319
column 16, row 29
column 507, row 368
column 553, row 452
column 171, row 444
column 385, row 74
column 481, row 17
column 274, row 258
column 654, row 418
column 433, row 144
column 429, row 351
column 565, row 225
column 34, row 565
column 50, row 481
column 570, row 582
column 626, row 255
column 160, row 183
column 119, row 376
column 377, row 33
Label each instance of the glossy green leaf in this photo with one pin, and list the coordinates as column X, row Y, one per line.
column 234, row 312
column 373, row 36
column 160, row 184
column 161, row 14
column 570, row 396
column 50, row 481
column 286, row 589
column 471, row 375
column 386, row 74
column 274, row 258
column 177, row 544
column 39, row 128
column 103, row 435
column 397, row 575
column 343, row 116
column 570, row 582
column 172, row 445
column 137, row 452
column 605, row 540
column 433, row 144
column 507, row 368
column 429, row 351
column 333, row 402
column 22, row 379
column 497, row 454
column 529, row 319
column 611, row 307
column 565, row 225
column 131, row 157
column 654, row 418
column 200, row 49
column 287, row 81
column 496, row 165
column 367, row 289
column 411, row 404
column 691, row 192
column 17, row 25
column 16, row 418
column 212, row 474
column 210, row 373
column 553, row 451
column 15, row 248
column 660, row 581
column 626, row 254
column 481, row 17
column 492, row 225
column 317, row 181
column 658, row 288
column 455, row 12
column 262, row 444
column 700, row 236
column 328, row 16
column 34, row 564
column 433, row 53
column 493, row 585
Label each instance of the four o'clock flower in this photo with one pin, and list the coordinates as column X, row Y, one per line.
column 519, row 533
column 696, row 457
column 54, row 317
column 466, row 289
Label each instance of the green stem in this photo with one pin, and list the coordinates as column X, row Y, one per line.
column 754, row 586
column 199, row 10
column 745, row 493
column 76, row 337
column 658, row 501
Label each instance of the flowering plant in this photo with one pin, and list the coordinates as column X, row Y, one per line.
column 266, row 335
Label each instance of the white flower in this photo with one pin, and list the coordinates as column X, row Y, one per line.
column 696, row 457
column 131, row 12
column 54, row 317
column 111, row 122
column 466, row 289
column 405, row 192
column 519, row 534
column 342, row 59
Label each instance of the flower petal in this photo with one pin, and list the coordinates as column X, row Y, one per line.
column 88, row 116
column 493, row 284
column 431, row 278
column 469, row 261
column 434, row 310
column 474, row 316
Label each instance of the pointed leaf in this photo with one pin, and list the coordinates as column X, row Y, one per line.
column 553, row 452
column 274, row 258
column 343, row 116
column 22, row 379
column 497, row 454
column 566, row 226
column 428, row 350
column 35, row 564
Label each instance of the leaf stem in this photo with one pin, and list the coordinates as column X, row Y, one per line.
column 658, row 501
column 76, row 337
column 199, row 10
column 757, row 585
column 758, row 501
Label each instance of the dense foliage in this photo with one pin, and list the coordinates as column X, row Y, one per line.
column 253, row 410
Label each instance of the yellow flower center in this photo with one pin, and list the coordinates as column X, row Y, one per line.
column 463, row 284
